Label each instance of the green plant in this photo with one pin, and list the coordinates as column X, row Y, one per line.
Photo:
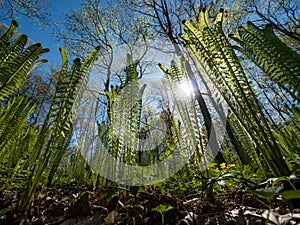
column 184, row 183
column 266, row 50
column 13, row 120
column 56, row 132
column 162, row 209
column 286, row 187
column 17, row 60
column 215, row 58
column 45, row 146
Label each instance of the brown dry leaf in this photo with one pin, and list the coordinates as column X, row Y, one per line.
column 113, row 203
column 191, row 219
column 168, row 194
column 41, row 195
column 81, row 207
column 100, row 195
column 111, row 217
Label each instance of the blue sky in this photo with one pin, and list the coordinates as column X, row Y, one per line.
column 45, row 36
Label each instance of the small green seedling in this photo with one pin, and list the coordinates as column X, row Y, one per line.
column 162, row 209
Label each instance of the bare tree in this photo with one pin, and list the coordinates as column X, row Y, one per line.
column 106, row 24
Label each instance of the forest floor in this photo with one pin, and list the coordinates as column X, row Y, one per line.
column 76, row 204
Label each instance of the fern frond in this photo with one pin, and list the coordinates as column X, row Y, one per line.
column 16, row 61
column 276, row 59
column 10, row 53
column 215, row 57
column 58, row 123
column 190, row 137
column 246, row 142
column 12, row 122
column 126, row 115
column 5, row 39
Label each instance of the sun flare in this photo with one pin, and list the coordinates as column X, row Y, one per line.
column 186, row 88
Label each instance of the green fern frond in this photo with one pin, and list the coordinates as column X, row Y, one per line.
column 12, row 122
column 216, row 58
column 276, row 59
column 58, row 155
column 126, row 115
column 189, row 134
column 58, row 123
column 246, row 142
column 12, row 51
column 16, row 61
column 6, row 38
column 68, row 93
column 131, row 70
column 288, row 138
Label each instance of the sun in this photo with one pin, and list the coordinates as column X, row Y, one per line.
column 186, row 89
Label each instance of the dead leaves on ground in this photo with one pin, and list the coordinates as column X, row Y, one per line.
column 78, row 205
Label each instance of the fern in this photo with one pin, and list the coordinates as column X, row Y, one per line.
column 276, row 59
column 288, row 137
column 189, row 138
column 216, row 58
column 52, row 140
column 6, row 38
column 16, row 61
column 12, row 122
column 247, row 144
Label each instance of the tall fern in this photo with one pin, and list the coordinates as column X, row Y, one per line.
column 282, row 65
column 277, row 60
column 216, row 59
column 13, row 118
column 16, row 60
column 191, row 136
column 56, row 131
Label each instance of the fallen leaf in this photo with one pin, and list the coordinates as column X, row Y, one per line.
column 111, row 217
